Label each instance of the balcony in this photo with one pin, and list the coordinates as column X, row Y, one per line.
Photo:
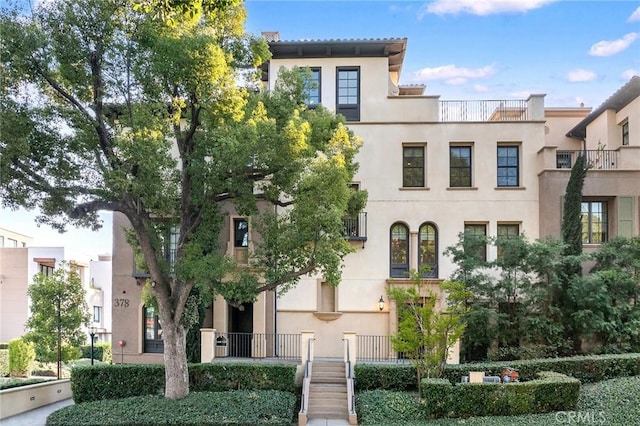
column 485, row 110
column 598, row 159
column 355, row 227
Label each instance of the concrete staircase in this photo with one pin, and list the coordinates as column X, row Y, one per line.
column 328, row 391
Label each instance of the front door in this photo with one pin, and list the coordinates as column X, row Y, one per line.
column 241, row 330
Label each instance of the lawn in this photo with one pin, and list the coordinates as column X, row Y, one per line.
column 613, row 402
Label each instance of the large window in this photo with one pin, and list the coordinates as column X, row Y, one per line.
column 594, row 222
column 152, row 331
column 506, row 231
column 508, row 166
column 428, row 249
column 413, row 166
column 625, row 133
column 399, row 250
column 460, row 166
column 312, row 89
column 45, row 269
column 97, row 313
column 240, row 233
column 475, row 239
column 348, row 92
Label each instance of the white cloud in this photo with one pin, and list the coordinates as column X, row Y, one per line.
column 453, row 74
column 630, row 73
column 480, row 88
column 522, row 94
column 481, row 7
column 580, row 75
column 635, row 16
column 608, row 48
column 456, row 81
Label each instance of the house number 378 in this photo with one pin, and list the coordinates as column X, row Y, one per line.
column 121, row 303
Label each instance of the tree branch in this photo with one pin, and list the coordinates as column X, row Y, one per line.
column 81, row 210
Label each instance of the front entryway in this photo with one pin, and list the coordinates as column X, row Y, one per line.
column 241, row 324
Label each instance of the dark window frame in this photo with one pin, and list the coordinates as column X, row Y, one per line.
column 455, row 179
column 240, row 235
column 509, row 227
column 433, row 273
column 351, row 111
column 408, row 166
column 399, row 268
column 509, row 166
column 470, row 230
column 155, row 344
column 587, row 214
column 625, row 133
column 97, row 310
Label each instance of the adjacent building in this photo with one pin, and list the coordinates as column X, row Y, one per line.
column 433, row 169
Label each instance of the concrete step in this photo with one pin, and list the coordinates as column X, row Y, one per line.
column 327, row 414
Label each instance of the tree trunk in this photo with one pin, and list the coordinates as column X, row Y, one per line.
column 176, row 373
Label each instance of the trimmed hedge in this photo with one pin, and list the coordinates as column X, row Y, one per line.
column 385, row 376
column 100, row 382
column 550, row 392
column 21, row 357
column 245, row 407
column 383, row 407
column 587, row 369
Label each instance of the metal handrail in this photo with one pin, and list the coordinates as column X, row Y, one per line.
column 350, row 388
column 306, row 382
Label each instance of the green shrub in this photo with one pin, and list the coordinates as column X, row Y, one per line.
column 21, row 357
column 550, row 392
column 385, row 376
column 14, row 383
column 4, row 362
column 99, row 382
column 101, row 352
column 382, row 407
column 587, row 369
column 245, row 407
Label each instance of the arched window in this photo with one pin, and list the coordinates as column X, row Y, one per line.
column 399, row 248
column 428, row 249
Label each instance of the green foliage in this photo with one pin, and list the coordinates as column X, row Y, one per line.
column 587, row 369
column 124, row 380
column 385, row 376
column 383, row 407
column 549, row 392
column 21, row 357
column 58, row 309
column 608, row 302
column 101, row 352
column 16, row 383
column 571, row 212
column 121, row 87
column 242, row 407
column 427, row 333
column 4, row 362
column 617, row 401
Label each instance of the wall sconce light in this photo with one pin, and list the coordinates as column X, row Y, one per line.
column 381, row 303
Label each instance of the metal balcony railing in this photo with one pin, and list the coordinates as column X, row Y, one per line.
column 355, row 227
column 486, row 110
column 374, row 348
column 599, row 159
column 258, row 345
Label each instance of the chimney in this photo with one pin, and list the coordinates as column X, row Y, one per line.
column 270, row 36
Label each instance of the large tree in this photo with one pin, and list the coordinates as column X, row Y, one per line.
column 108, row 107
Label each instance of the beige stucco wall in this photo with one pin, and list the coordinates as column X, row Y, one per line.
column 13, row 292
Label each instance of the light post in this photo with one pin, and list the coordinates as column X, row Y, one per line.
column 92, row 333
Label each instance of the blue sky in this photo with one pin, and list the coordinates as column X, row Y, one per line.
column 573, row 51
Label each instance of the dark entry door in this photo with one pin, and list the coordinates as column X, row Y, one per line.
column 241, row 330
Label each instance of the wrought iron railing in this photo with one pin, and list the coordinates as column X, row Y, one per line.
column 486, row 110
column 600, row 159
column 374, row 348
column 355, row 227
column 258, row 345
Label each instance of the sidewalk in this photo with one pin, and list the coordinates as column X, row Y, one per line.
column 35, row 417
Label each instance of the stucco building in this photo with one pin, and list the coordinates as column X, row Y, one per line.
column 433, row 169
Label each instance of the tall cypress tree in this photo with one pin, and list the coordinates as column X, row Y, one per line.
column 571, row 216
column 571, row 272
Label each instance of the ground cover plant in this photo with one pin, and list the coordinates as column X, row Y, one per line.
column 241, row 407
column 613, row 402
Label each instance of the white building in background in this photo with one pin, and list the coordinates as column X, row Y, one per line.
column 19, row 263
